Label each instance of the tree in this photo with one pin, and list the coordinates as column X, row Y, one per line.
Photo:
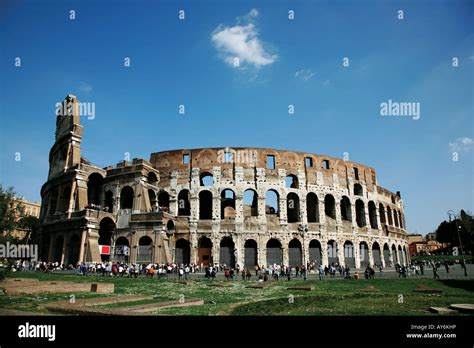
column 10, row 211
column 447, row 232
column 32, row 226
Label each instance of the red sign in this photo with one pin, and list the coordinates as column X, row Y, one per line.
column 104, row 249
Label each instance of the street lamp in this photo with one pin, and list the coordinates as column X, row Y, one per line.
column 452, row 213
column 302, row 229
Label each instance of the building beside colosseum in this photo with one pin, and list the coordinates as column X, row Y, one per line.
column 229, row 206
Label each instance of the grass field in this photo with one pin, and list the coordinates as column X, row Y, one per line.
column 329, row 297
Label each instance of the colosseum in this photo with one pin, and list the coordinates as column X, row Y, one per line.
column 227, row 206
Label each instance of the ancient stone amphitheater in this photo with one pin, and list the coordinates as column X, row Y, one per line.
column 244, row 206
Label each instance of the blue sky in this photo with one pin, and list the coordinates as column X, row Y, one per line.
column 283, row 62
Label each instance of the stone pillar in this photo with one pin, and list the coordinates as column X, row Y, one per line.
column 354, row 217
column 82, row 247
column 284, row 250
column 303, row 210
column 337, row 208
column 262, row 217
column 340, row 253
column 216, row 206
column 357, row 254
column 322, row 213
column 72, row 194
column 371, row 256
column 63, row 254
column 239, row 208
column 324, row 252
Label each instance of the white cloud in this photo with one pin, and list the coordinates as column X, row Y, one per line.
column 304, row 74
column 85, row 87
column 461, row 144
column 242, row 42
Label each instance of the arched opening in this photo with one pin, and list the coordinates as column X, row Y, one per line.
column 386, row 255
column 184, row 203
column 358, row 191
column 312, row 207
column 363, row 254
column 74, row 248
column 145, row 249
column 332, row 252
column 182, row 252
column 205, row 205
column 291, row 181
column 382, row 214
column 109, row 201
column 250, row 251
column 315, row 254
column 227, row 204
column 94, row 189
column 405, row 259
column 205, row 251
column 349, row 255
column 360, row 213
column 164, row 201
column 53, row 201
column 294, row 253
column 330, row 206
column 293, row 207
column 152, row 179
column 274, row 252
column 400, row 255
column 376, row 254
column 106, row 231
column 126, row 198
column 152, row 198
column 250, row 201
column 401, row 219
column 45, row 243
column 272, row 203
column 58, row 249
column 206, row 179
column 346, row 214
column 389, row 216
column 394, row 254
column 227, row 253
column 372, row 215
column 395, row 217
column 122, row 249
column 170, row 226
column 64, row 198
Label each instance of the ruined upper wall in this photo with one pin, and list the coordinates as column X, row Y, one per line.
column 250, row 158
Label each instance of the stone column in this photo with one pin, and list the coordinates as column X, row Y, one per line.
column 340, row 253
column 83, row 244
column 322, row 213
column 357, row 254
column 324, row 252
column 239, row 208
column 371, row 256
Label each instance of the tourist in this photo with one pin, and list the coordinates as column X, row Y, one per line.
column 321, row 272
column 435, row 272
column 249, row 275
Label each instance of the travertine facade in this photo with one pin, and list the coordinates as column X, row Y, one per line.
column 218, row 205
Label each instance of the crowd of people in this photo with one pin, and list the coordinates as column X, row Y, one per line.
column 261, row 273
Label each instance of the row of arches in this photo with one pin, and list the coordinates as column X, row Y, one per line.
column 274, row 253
column 161, row 200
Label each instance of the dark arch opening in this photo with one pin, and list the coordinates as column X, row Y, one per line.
column 250, row 257
column 126, row 198
column 182, row 252
column 293, row 207
column 346, row 214
column 184, row 203
column 274, row 252
column 227, row 252
column 312, row 207
column 330, row 206
column 294, row 253
column 205, row 205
